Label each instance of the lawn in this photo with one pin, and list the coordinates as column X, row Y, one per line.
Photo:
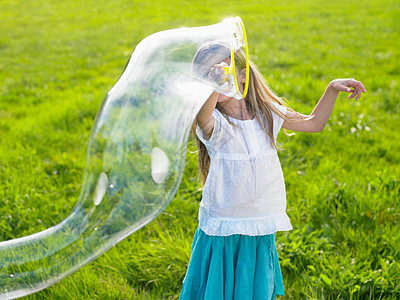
column 58, row 59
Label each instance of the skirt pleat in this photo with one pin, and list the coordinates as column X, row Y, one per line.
column 232, row 267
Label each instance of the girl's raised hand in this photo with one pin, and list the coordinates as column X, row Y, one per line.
column 349, row 86
column 217, row 73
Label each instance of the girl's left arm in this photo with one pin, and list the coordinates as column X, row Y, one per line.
column 316, row 121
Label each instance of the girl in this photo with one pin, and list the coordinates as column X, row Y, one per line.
column 244, row 200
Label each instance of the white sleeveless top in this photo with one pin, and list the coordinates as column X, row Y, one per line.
column 245, row 191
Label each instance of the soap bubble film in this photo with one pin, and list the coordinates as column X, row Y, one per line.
column 136, row 154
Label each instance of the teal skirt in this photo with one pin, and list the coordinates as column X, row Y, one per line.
column 232, row 267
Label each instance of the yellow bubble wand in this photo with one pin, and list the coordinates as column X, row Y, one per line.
column 231, row 70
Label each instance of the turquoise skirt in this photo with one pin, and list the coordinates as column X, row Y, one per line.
column 232, row 267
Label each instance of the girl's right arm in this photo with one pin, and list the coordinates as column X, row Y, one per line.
column 322, row 111
column 204, row 118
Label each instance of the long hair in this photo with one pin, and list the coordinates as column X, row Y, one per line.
column 259, row 101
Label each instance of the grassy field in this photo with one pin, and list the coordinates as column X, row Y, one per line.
column 58, row 59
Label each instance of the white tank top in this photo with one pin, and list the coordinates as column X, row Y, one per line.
column 245, row 191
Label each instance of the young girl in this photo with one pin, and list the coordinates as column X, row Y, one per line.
column 244, row 200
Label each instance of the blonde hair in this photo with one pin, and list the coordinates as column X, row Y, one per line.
column 259, row 102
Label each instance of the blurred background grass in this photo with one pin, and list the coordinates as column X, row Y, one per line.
column 58, row 59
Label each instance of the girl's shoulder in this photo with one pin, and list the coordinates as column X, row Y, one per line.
column 281, row 108
column 277, row 120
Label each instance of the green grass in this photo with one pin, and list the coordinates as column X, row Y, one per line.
column 58, row 59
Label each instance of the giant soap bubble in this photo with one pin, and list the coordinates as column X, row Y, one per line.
column 136, row 154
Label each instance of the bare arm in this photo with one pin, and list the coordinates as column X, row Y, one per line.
column 316, row 121
column 204, row 118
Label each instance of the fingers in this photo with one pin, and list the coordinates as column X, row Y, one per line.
column 356, row 92
column 356, row 84
column 222, row 64
column 353, row 94
column 216, row 75
column 359, row 93
column 357, row 88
